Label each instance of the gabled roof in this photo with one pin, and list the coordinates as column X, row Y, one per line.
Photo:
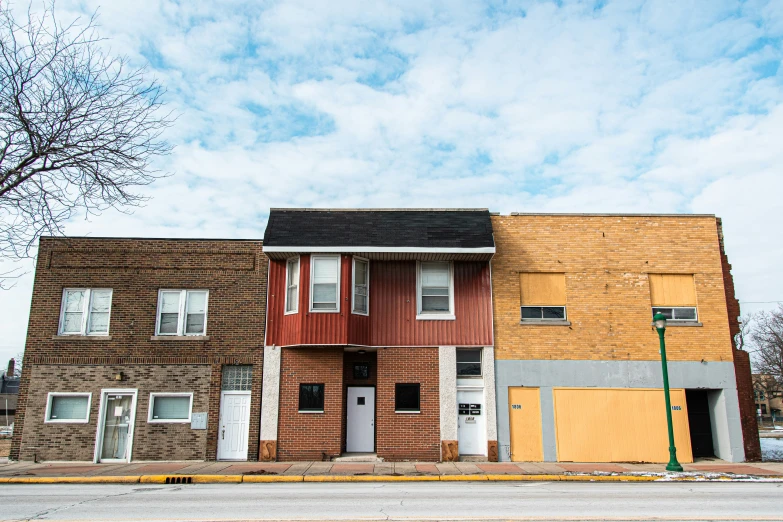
column 446, row 231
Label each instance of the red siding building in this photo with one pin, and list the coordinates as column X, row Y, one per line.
column 379, row 335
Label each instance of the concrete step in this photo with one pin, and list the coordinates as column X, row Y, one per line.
column 357, row 457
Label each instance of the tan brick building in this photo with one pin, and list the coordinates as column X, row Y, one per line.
column 136, row 346
column 573, row 299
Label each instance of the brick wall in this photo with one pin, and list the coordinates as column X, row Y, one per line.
column 310, row 436
column 408, row 436
column 150, row 441
column 742, row 369
column 234, row 272
column 606, row 260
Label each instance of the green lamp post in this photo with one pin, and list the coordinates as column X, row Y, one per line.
column 659, row 321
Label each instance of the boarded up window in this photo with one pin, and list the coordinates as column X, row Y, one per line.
column 672, row 290
column 542, row 289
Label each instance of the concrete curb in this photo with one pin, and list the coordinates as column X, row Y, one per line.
column 237, row 479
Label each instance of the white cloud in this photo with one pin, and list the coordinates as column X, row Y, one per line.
column 656, row 106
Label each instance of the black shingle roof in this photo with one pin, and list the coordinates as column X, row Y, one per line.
column 379, row 228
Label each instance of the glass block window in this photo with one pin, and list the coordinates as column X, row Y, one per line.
column 237, row 378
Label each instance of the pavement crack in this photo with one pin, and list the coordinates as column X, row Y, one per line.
column 38, row 516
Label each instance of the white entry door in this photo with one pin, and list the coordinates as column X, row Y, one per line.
column 234, row 425
column 360, row 423
column 472, row 422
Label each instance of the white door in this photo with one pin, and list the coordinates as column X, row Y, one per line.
column 234, row 425
column 360, row 423
column 472, row 431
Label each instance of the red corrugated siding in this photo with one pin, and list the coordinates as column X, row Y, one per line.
column 392, row 320
column 393, row 307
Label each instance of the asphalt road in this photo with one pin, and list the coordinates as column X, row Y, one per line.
column 396, row 501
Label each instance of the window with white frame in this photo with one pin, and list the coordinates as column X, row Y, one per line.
column 68, row 407
column 182, row 312
column 170, row 407
column 361, row 285
column 85, row 311
column 292, row 286
column 435, row 289
column 325, row 284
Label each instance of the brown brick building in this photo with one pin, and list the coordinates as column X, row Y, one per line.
column 143, row 349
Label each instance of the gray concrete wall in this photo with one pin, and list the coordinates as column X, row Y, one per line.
column 270, row 394
column 447, row 366
column 727, row 431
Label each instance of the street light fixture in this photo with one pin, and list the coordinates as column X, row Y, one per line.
column 659, row 322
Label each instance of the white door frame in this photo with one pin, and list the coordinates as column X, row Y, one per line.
column 220, row 419
column 105, row 392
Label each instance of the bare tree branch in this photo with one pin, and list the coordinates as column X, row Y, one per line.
column 767, row 336
column 78, row 129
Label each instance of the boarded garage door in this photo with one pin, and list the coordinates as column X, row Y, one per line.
column 619, row 425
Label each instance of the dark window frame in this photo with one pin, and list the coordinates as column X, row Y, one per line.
column 398, row 408
column 312, row 409
column 672, row 315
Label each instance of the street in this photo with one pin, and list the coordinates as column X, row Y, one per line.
column 393, row 501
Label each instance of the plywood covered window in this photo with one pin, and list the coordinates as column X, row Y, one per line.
column 674, row 296
column 542, row 296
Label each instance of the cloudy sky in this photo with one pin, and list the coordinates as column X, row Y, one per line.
column 556, row 106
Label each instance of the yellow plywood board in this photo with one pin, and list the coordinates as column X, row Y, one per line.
column 542, row 289
column 619, row 425
column 672, row 290
column 524, row 412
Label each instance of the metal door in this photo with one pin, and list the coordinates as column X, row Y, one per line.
column 234, row 425
column 360, row 422
column 472, row 431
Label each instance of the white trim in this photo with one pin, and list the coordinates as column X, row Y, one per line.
column 182, row 314
column 435, row 316
column 86, row 312
column 339, row 271
column 48, row 411
column 154, row 395
column 401, row 250
column 102, row 419
column 298, row 260
column 353, row 285
column 404, row 412
column 310, row 411
column 481, row 363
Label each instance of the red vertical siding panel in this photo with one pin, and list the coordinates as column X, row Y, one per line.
column 392, row 320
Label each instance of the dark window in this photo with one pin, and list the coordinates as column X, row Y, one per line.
column 360, row 401
column 550, row 313
column 406, row 397
column 469, row 363
column 361, row 371
column 763, row 409
column 311, row 397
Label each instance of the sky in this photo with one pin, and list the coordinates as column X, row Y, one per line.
column 553, row 106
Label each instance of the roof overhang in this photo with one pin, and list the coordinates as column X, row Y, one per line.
column 386, row 253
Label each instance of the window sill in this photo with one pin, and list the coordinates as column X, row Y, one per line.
column 291, row 313
column 310, row 411
column 179, row 338
column 683, row 323
column 81, row 337
column 413, row 412
column 436, row 317
column 541, row 322
column 66, row 421
column 172, row 421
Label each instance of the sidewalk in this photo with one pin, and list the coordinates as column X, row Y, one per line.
column 205, row 472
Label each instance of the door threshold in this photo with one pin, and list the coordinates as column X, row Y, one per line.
column 357, row 457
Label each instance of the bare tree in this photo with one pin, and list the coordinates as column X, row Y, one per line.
column 767, row 336
column 78, row 128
